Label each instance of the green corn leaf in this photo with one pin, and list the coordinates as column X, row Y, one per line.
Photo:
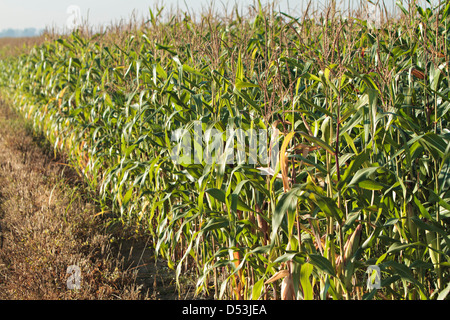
column 398, row 246
column 422, row 209
column 287, row 202
column 305, row 272
column 362, row 175
column 444, row 293
column 216, row 223
column 322, row 264
column 318, row 142
column 243, row 84
column 370, row 185
column 257, row 289
column 217, row 194
column 193, row 71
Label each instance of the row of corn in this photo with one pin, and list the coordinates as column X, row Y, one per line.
column 360, row 179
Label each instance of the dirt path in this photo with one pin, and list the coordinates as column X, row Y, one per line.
column 48, row 223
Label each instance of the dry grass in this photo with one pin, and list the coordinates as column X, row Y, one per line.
column 11, row 47
column 48, row 225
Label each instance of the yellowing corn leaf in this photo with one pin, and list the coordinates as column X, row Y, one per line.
column 284, row 163
column 280, row 274
column 287, row 288
column 352, row 244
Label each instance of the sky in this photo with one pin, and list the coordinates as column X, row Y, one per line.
column 21, row 14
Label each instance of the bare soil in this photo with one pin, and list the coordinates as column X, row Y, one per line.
column 49, row 221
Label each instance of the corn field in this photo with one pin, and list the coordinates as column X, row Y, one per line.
column 361, row 115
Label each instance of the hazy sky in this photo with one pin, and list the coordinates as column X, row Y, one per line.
column 20, row 14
